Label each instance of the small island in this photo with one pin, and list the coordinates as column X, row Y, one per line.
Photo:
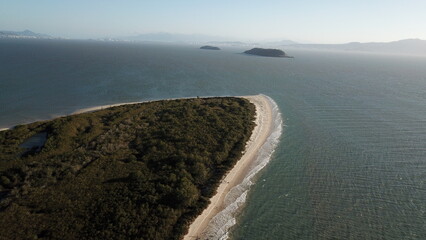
column 267, row 52
column 209, row 48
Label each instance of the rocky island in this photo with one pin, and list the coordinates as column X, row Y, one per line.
column 264, row 52
column 209, row 48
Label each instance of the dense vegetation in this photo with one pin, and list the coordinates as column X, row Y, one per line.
column 142, row 171
column 209, row 48
column 267, row 52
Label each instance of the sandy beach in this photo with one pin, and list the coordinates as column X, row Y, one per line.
column 236, row 175
column 85, row 110
column 92, row 109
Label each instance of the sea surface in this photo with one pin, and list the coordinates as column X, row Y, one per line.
column 351, row 160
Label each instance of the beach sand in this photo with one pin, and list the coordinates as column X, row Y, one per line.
column 242, row 167
column 84, row 110
column 92, row 109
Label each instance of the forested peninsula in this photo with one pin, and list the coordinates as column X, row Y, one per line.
column 139, row 171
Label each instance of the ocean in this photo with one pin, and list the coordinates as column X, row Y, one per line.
column 351, row 160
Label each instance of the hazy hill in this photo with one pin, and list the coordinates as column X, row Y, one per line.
column 173, row 37
column 23, row 34
column 200, row 38
column 281, row 43
column 406, row 47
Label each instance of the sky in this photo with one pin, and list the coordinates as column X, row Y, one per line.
column 306, row 21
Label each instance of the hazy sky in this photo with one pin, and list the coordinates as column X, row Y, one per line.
column 319, row 21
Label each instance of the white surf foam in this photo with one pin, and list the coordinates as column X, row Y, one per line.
column 220, row 224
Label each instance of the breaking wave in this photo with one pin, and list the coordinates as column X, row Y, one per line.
column 220, row 224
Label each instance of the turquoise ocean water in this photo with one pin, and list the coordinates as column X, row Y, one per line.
column 351, row 161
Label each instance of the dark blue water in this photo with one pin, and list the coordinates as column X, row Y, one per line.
column 351, row 163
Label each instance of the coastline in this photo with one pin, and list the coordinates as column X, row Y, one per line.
column 83, row 110
column 264, row 124
column 101, row 107
column 219, row 203
column 95, row 108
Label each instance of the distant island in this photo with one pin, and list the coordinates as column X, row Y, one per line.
column 209, row 48
column 137, row 171
column 267, row 52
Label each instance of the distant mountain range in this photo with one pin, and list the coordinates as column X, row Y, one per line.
column 281, row 43
column 23, row 34
column 173, row 37
column 407, row 47
column 197, row 39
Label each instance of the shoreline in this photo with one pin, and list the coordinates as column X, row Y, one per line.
column 263, row 129
column 78, row 111
column 260, row 134
column 101, row 107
